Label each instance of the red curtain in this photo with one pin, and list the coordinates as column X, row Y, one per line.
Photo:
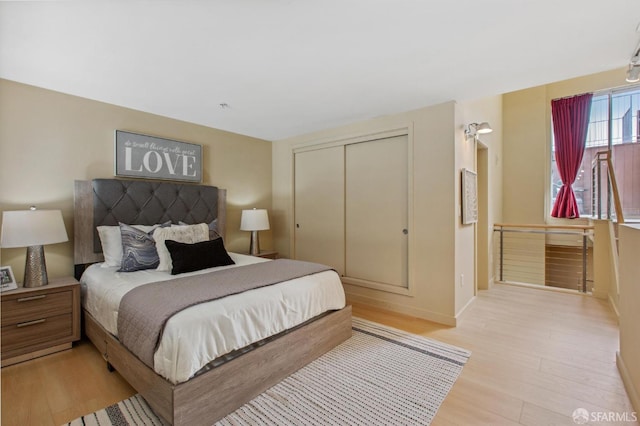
column 570, row 124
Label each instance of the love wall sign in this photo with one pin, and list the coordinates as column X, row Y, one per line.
column 157, row 158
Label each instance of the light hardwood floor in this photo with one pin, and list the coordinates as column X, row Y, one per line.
column 536, row 357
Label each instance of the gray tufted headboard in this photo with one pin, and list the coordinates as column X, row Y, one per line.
column 109, row 201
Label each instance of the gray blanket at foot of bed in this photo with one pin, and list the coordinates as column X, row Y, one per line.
column 144, row 310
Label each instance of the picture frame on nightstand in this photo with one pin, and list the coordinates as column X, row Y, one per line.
column 7, row 279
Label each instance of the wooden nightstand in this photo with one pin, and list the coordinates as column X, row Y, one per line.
column 268, row 254
column 39, row 321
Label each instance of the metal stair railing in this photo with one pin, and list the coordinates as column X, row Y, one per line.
column 544, row 255
column 611, row 187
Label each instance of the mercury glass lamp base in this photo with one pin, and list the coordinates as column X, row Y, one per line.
column 254, row 247
column 35, row 270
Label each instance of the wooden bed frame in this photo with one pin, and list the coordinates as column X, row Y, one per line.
column 209, row 396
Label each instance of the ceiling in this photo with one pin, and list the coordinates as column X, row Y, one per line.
column 288, row 67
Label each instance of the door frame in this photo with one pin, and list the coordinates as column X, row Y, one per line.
column 482, row 231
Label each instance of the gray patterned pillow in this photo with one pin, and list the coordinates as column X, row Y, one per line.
column 138, row 249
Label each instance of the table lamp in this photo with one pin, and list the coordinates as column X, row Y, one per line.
column 254, row 220
column 33, row 229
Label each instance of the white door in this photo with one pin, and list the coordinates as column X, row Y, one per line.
column 376, row 210
column 319, row 207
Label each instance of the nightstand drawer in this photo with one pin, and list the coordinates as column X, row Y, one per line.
column 36, row 332
column 30, row 307
column 39, row 321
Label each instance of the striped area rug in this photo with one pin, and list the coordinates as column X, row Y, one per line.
column 380, row 376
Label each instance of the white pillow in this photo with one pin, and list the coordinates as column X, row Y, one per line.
column 213, row 228
column 112, row 243
column 183, row 234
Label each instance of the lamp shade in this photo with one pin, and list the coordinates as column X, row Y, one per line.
column 254, row 220
column 24, row 228
column 483, row 127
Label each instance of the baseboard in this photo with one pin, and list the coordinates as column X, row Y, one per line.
column 632, row 392
column 403, row 309
column 489, row 285
column 543, row 288
column 463, row 311
column 614, row 308
column 604, row 295
column 492, row 281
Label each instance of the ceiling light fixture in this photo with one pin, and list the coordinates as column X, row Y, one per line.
column 475, row 129
column 633, row 73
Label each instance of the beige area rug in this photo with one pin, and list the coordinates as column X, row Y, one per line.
column 380, row 376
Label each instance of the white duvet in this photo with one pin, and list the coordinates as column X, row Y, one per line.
column 197, row 335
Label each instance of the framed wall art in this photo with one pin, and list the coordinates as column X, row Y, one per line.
column 469, row 197
column 152, row 157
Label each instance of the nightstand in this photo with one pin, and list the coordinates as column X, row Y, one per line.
column 39, row 321
column 268, row 254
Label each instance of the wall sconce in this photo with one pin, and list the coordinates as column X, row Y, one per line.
column 254, row 220
column 475, row 129
column 33, row 229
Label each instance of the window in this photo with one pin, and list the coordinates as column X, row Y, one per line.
column 613, row 124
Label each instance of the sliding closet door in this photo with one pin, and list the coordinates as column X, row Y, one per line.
column 377, row 212
column 319, row 207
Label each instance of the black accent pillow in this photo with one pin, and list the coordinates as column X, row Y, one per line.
column 194, row 257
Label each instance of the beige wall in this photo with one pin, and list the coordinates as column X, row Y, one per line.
column 527, row 144
column 527, row 152
column 526, row 181
column 442, row 248
column 606, row 264
column 488, row 165
column 49, row 139
column 629, row 355
column 525, row 156
column 465, row 235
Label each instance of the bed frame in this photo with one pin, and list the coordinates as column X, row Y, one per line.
column 211, row 395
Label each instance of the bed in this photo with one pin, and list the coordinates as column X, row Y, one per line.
column 195, row 394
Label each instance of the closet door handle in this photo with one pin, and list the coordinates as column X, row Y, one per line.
column 405, row 231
